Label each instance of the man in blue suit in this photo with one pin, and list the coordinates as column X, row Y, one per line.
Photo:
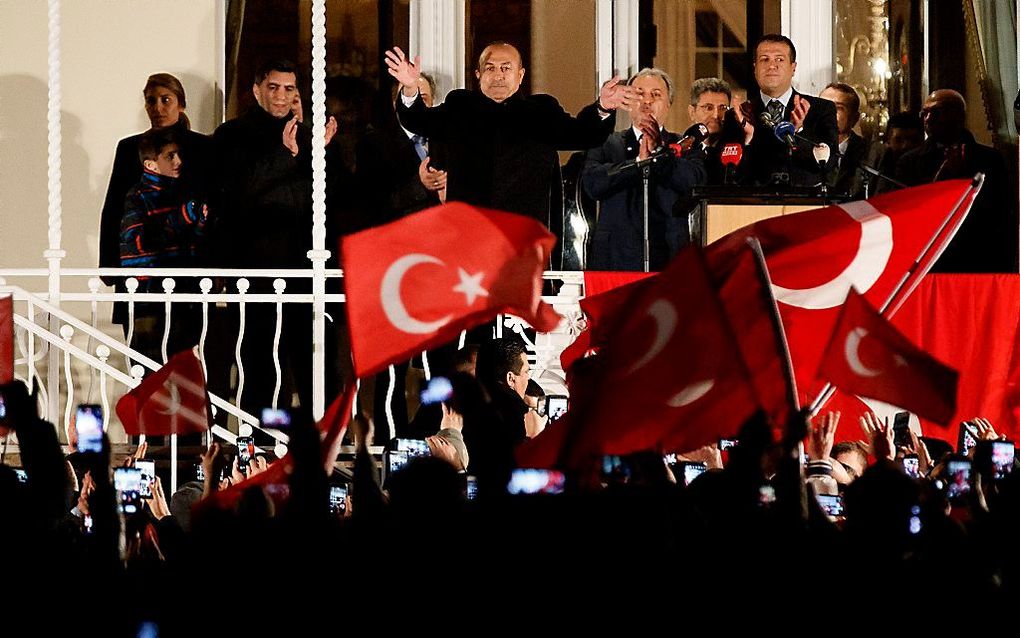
column 618, row 240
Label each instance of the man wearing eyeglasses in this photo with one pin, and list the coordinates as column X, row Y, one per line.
column 987, row 240
column 712, row 104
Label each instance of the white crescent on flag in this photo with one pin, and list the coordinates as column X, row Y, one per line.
column 393, row 305
column 691, row 393
column 175, row 399
column 867, row 266
column 853, row 342
column 665, row 316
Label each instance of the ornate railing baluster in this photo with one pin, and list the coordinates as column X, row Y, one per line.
column 66, row 332
column 168, row 288
column 131, row 284
column 242, row 288
column 103, row 354
column 279, row 285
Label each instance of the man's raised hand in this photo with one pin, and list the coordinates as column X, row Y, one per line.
column 403, row 70
column 616, row 94
column 799, row 112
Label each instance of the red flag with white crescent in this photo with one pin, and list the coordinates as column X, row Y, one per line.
column 815, row 257
column 171, row 400
column 419, row 281
column 869, row 357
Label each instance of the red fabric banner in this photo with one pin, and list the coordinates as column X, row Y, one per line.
column 970, row 323
column 6, row 339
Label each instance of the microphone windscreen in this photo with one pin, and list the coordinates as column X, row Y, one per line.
column 784, row 130
column 697, row 132
column 821, row 153
column 731, row 154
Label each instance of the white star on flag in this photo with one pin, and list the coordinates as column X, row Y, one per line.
column 470, row 285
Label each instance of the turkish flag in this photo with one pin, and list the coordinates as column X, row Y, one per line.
column 6, row 339
column 419, row 281
column 672, row 376
column 816, row 256
column 751, row 311
column 600, row 310
column 171, row 400
column 869, row 357
column 332, row 427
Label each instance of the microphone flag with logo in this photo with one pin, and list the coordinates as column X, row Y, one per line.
column 171, row 400
column 419, row 281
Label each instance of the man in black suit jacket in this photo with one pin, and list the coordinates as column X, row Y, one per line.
column 389, row 169
column 391, row 165
column 618, row 240
column 775, row 62
column 846, row 178
column 987, row 240
column 500, row 146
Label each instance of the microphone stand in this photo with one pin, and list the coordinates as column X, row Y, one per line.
column 870, row 172
column 645, row 166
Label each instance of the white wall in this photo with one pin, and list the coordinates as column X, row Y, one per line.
column 109, row 48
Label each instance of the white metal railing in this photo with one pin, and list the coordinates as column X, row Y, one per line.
column 60, row 325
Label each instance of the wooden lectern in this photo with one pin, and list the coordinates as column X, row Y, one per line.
column 719, row 210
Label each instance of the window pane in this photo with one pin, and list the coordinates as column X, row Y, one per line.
column 706, row 26
column 735, row 70
column 706, row 65
column 729, row 39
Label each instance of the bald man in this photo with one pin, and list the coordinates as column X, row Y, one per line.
column 499, row 144
column 987, row 241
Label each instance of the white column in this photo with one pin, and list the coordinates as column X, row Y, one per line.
column 53, row 254
column 318, row 255
column 616, row 38
column 809, row 24
column 437, row 35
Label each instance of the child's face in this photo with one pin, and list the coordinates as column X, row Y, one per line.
column 168, row 162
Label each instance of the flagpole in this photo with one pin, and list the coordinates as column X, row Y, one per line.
column 888, row 309
column 777, row 322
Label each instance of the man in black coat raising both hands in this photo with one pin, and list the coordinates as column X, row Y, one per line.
column 500, row 145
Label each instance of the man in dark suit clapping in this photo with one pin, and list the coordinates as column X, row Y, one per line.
column 499, row 144
column 618, row 241
column 775, row 62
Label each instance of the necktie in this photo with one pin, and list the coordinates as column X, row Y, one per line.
column 776, row 109
column 419, row 146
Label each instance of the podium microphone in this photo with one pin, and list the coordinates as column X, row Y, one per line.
column 785, row 132
column 730, row 157
column 821, row 153
column 696, row 133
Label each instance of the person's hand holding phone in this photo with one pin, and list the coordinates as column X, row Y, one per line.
column 157, row 503
column 208, row 461
column 87, row 487
column 236, row 475
column 985, row 430
column 443, row 449
column 258, row 465
column 921, row 450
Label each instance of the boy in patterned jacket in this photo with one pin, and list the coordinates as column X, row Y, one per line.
column 161, row 228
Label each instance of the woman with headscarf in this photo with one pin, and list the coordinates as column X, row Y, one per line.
column 165, row 102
